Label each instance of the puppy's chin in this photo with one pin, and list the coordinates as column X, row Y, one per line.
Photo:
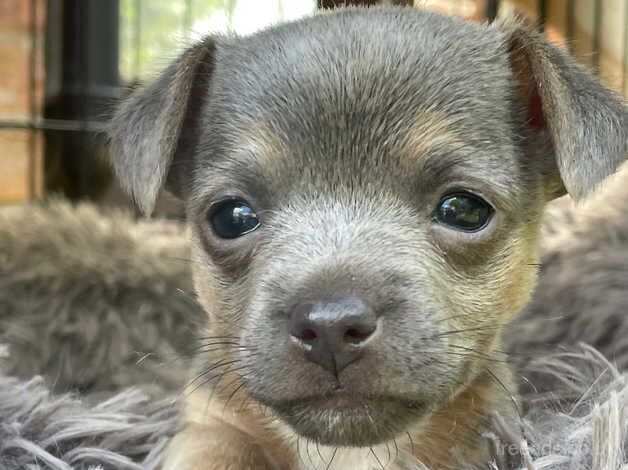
column 349, row 420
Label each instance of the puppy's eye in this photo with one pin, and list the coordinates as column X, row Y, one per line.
column 233, row 218
column 463, row 211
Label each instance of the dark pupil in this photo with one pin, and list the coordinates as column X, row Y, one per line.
column 465, row 212
column 232, row 219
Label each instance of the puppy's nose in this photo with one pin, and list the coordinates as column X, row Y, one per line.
column 333, row 334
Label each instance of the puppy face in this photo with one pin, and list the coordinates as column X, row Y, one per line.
column 365, row 189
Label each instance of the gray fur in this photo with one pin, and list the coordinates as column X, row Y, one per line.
column 583, row 277
column 40, row 430
column 86, row 296
column 344, row 131
column 582, row 424
column 153, row 125
column 132, row 427
column 587, row 124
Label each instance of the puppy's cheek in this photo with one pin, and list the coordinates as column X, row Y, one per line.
column 205, row 277
column 479, row 300
column 219, row 288
column 520, row 275
column 511, row 275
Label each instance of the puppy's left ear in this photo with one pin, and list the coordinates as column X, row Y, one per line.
column 579, row 126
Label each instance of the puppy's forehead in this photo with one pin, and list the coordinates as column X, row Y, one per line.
column 366, row 91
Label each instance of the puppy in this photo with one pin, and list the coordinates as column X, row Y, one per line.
column 364, row 188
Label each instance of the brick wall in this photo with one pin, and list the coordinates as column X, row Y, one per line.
column 20, row 150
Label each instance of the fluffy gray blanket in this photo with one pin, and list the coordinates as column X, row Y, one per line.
column 583, row 425
column 96, row 318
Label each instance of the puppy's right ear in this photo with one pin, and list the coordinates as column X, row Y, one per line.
column 154, row 130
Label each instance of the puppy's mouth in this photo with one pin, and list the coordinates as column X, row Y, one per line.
column 345, row 419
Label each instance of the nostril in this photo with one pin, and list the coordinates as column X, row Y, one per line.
column 308, row 335
column 357, row 335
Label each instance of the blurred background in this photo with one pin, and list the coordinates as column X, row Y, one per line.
column 65, row 63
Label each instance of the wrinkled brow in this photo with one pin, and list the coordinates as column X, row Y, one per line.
column 433, row 153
